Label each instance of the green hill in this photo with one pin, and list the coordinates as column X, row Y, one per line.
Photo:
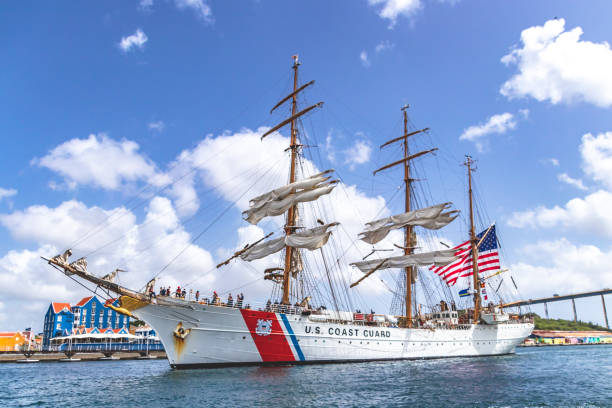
column 560, row 324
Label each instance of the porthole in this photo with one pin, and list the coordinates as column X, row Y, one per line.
column 243, row 337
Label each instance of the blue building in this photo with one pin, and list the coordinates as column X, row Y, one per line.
column 62, row 319
column 90, row 313
column 58, row 322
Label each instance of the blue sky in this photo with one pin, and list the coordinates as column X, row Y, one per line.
column 192, row 68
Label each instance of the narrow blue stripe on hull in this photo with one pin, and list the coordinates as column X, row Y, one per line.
column 296, row 345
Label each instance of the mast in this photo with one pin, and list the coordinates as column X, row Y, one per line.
column 474, row 242
column 291, row 214
column 408, row 244
column 408, row 230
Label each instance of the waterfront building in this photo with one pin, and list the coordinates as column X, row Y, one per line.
column 89, row 312
column 62, row 319
column 107, row 341
column 58, row 321
column 145, row 331
column 12, row 341
column 558, row 337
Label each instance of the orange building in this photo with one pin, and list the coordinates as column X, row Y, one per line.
column 11, row 341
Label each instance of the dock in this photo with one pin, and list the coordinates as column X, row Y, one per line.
column 56, row 357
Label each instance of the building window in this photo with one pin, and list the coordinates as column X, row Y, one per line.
column 59, row 318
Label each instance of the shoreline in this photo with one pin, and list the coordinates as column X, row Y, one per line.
column 56, row 357
column 564, row 344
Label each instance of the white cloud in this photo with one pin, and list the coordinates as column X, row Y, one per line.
column 590, row 214
column 551, row 160
column 60, row 225
column 363, row 56
column 145, row 4
column 496, row 124
column 138, row 39
column 384, row 46
column 392, row 9
column 99, row 161
column 200, row 7
column 596, row 152
column 329, row 147
column 564, row 266
column 564, row 178
column 157, row 126
column 142, row 249
column 359, row 153
column 7, row 192
column 554, row 65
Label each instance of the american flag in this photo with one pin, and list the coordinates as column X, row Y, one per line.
column 488, row 259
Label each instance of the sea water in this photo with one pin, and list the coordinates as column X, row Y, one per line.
column 569, row 376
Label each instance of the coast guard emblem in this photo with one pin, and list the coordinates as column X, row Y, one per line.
column 264, row 327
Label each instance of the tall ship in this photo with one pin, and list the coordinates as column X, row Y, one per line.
column 310, row 317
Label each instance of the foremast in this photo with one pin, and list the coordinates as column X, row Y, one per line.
column 291, row 214
column 473, row 241
column 284, row 200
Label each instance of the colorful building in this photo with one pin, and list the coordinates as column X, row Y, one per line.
column 58, row 322
column 559, row 337
column 90, row 313
column 12, row 341
column 62, row 319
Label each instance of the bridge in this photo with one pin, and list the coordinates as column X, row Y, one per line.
column 557, row 298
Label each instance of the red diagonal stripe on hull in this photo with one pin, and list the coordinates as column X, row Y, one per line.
column 273, row 347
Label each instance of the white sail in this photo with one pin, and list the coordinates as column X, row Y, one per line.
column 263, row 249
column 310, row 239
column 282, row 192
column 277, row 206
column 438, row 258
column 431, row 218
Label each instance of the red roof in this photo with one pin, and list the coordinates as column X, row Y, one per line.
column 9, row 334
column 58, row 307
column 83, row 301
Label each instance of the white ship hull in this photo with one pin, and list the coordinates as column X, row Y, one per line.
column 222, row 336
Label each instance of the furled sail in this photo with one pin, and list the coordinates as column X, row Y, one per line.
column 439, row 258
column 263, row 249
column 279, row 200
column 310, row 239
column 432, row 217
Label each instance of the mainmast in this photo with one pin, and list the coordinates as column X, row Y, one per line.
column 408, row 230
column 408, row 244
column 474, row 242
column 291, row 214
